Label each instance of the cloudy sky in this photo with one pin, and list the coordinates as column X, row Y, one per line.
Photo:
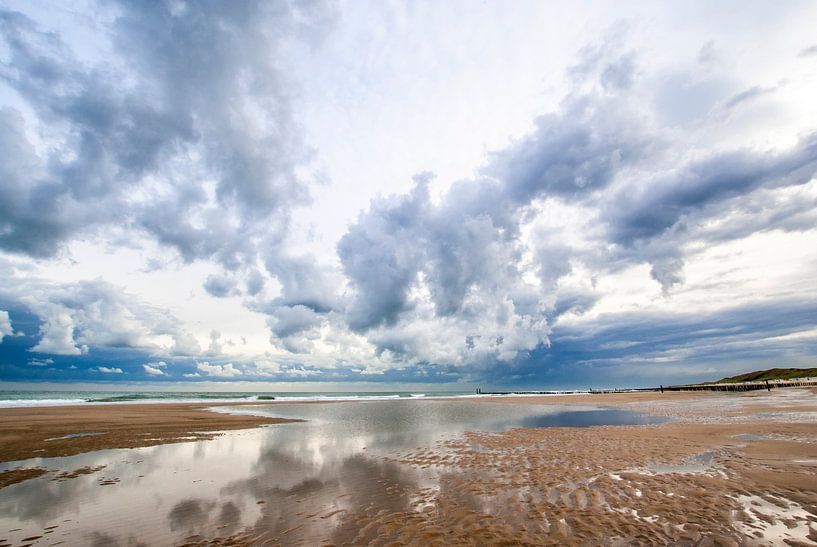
column 342, row 194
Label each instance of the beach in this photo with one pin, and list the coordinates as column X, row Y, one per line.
column 629, row 468
column 67, row 430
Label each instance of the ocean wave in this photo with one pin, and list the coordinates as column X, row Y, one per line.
column 29, row 399
column 15, row 403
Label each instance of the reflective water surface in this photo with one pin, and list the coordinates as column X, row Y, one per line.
column 294, row 483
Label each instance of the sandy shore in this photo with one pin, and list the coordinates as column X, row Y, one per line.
column 35, row 431
column 730, row 469
column 41, row 431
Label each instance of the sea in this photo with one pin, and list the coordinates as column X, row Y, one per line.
column 29, row 398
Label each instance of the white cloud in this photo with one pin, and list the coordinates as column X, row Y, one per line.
column 618, row 171
column 110, row 370
column 57, row 334
column 153, row 371
column 78, row 315
column 40, row 362
column 5, row 325
column 222, row 371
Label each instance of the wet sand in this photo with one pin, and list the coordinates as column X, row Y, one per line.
column 36, row 431
column 68, row 430
column 730, row 469
column 13, row 476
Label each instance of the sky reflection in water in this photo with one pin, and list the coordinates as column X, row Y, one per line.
column 305, row 481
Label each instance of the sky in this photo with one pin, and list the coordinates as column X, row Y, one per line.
column 441, row 195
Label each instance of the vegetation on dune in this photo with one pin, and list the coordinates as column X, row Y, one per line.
column 770, row 374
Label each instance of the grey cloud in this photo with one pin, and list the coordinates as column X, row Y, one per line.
column 808, row 52
column 599, row 151
column 758, row 328
column 286, row 320
column 254, row 282
column 456, row 250
column 619, row 74
column 197, row 95
column 32, row 219
column 763, row 210
column 220, row 286
column 646, row 209
column 708, row 54
column 466, row 250
column 574, row 152
column 748, row 95
column 573, row 300
column 667, row 271
column 382, row 255
column 304, row 282
column 553, row 258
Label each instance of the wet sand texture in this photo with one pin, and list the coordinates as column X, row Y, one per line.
column 732, row 470
column 25, row 432
column 693, row 483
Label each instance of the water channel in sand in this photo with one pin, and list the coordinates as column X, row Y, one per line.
column 296, row 482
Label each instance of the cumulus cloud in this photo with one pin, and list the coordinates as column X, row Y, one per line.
column 463, row 266
column 189, row 137
column 195, row 114
column 220, row 286
column 57, row 336
column 76, row 316
column 109, row 370
column 155, row 368
column 457, row 270
column 5, row 325
column 221, row 371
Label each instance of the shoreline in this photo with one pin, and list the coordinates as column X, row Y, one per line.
column 55, row 431
column 67, row 430
column 730, row 468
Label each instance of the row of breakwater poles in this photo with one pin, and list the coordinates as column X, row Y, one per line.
column 744, row 386
column 734, row 387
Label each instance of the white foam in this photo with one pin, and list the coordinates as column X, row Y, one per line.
column 22, row 403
